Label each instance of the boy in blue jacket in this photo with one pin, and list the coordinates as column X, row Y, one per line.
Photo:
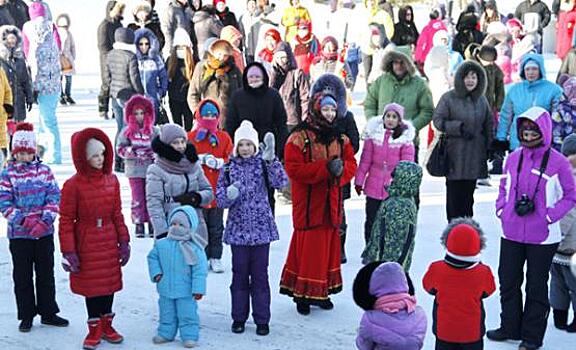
column 178, row 265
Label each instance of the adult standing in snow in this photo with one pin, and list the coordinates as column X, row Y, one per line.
column 227, row 17
column 41, row 45
column 464, row 116
column 206, row 25
column 249, row 25
column 68, row 51
column 19, row 11
column 180, row 69
column 533, row 11
column 425, row 41
column 530, row 204
column 143, row 19
column 329, row 61
column 405, row 31
column 178, row 15
column 319, row 160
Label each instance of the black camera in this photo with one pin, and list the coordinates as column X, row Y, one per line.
column 524, row 206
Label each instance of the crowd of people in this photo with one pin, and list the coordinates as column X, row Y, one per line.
column 259, row 104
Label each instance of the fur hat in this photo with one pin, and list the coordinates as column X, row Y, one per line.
column 487, row 53
column 245, row 132
column 124, row 35
column 142, row 6
column 24, row 139
column 463, row 239
column 171, row 132
column 93, row 147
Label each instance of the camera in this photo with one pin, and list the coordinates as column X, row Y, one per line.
column 524, row 206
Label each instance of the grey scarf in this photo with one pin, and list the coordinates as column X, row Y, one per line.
column 184, row 238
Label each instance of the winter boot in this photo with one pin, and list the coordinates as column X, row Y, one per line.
column 150, row 230
column 303, row 308
column 108, row 332
column 94, row 334
column 25, row 325
column 560, row 318
column 237, row 327
column 571, row 328
column 262, row 329
column 343, row 258
column 500, row 335
column 54, row 320
column 139, row 231
column 188, row 344
column 70, row 100
column 63, row 101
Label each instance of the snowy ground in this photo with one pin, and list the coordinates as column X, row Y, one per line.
column 136, row 306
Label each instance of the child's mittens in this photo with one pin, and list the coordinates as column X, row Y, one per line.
column 268, row 147
column 70, row 262
column 212, row 162
column 197, row 296
column 124, row 249
column 233, row 191
column 36, row 226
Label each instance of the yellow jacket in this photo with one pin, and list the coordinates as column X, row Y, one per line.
column 290, row 20
column 5, row 99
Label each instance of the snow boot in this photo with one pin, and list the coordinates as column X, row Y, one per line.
column 94, row 334
column 54, row 320
column 262, row 329
column 238, row 327
column 190, row 344
column 63, row 101
column 303, row 308
column 25, row 325
column 500, row 335
column 560, row 318
column 70, row 100
column 108, row 332
column 160, row 340
column 139, row 231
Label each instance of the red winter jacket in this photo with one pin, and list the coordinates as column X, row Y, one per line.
column 458, row 315
column 91, row 221
column 564, row 33
column 316, row 194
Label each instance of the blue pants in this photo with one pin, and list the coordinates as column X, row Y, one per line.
column 67, row 88
column 177, row 314
column 47, row 105
column 118, row 110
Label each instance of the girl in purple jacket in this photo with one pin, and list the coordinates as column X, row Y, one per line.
column 243, row 188
column 387, row 141
column 537, row 190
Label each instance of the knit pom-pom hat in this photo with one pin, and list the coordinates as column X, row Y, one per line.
column 246, row 131
column 24, row 139
column 463, row 239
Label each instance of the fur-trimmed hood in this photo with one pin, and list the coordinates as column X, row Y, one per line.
column 78, row 143
column 391, row 56
column 332, row 85
column 466, row 221
column 375, row 130
column 139, row 101
column 5, row 52
column 461, row 72
column 154, row 44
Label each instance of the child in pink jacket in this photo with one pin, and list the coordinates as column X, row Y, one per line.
column 387, row 141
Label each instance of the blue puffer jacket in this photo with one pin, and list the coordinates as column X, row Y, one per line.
column 522, row 96
column 152, row 69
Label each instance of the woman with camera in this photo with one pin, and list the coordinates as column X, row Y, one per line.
column 536, row 192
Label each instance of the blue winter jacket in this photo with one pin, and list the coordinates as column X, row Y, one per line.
column 151, row 66
column 522, row 96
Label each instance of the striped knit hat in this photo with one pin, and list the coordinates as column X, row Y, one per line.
column 24, row 139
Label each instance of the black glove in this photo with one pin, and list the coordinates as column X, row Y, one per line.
column 336, row 167
column 191, row 153
column 29, row 105
column 9, row 109
column 35, row 97
column 190, row 198
column 499, row 145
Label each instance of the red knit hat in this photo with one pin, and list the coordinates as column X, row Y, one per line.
column 24, row 139
column 215, row 2
column 274, row 34
column 464, row 243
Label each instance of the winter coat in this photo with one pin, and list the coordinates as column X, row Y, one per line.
column 385, row 20
column 565, row 33
column 19, row 11
column 380, row 155
column 305, row 52
column 294, row 92
column 206, row 26
column 264, row 107
column 249, row 25
column 155, row 28
column 28, row 190
column 250, row 220
column 405, row 33
column 465, row 37
column 458, row 314
column 538, row 7
column 151, row 67
column 14, row 65
column 316, row 194
column 393, row 234
column 568, row 65
column 41, row 46
column 5, row 16
column 68, row 48
column 523, row 95
column 494, row 86
column 567, row 247
column 223, row 149
column 162, row 186
column 91, row 222
column 553, row 197
column 177, row 16
column 412, row 92
column 290, row 20
column 178, row 85
column 437, row 70
column 425, row 40
column 5, row 99
column 563, row 123
column 465, row 118
column 106, row 30
column 227, row 18
column 217, row 88
column 123, row 73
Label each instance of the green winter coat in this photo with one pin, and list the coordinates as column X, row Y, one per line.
column 412, row 92
column 394, row 230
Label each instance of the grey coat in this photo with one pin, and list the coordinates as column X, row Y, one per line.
column 177, row 16
column 466, row 121
column 567, row 246
column 206, row 26
column 123, row 74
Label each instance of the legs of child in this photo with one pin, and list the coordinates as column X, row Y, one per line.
column 562, row 293
column 139, row 210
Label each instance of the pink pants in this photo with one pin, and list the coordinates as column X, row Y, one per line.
column 139, row 211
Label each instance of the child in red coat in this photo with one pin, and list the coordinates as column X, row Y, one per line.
column 459, row 283
column 214, row 148
column 94, row 239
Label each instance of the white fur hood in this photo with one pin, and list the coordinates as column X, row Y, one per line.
column 375, row 131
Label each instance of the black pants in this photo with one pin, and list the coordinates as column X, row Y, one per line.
column 528, row 322
column 371, row 209
column 442, row 345
column 181, row 113
column 460, row 198
column 98, row 306
column 31, row 257
column 104, row 95
column 214, row 218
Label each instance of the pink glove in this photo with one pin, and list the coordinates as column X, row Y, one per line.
column 70, row 262
column 39, row 229
column 124, row 253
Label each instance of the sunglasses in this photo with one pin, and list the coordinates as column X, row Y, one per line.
column 144, row 44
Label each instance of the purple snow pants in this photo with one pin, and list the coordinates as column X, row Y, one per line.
column 250, row 280
column 139, row 211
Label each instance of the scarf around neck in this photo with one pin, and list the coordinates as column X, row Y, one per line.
column 184, row 166
column 185, row 241
column 393, row 303
column 214, row 67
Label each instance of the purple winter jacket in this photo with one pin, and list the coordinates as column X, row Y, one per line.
column 555, row 195
column 250, row 220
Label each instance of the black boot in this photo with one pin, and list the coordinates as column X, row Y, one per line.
column 63, row 101
column 25, row 325
column 54, row 320
column 560, row 318
column 500, row 335
column 343, row 258
column 238, row 327
column 70, row 100
column 303, row 308
column 139, row 231
column 571, row 328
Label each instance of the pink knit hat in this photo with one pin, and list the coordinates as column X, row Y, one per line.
column 396, row 108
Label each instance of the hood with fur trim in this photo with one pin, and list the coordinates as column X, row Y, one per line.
column 392, row 56
column 78, row 143
column 375, row 131
column 466, row 221
column 332, row 85
column 5, row 52
column 139, row 101
column 464, row 68
column 154, row 44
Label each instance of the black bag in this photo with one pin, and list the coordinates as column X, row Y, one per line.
column 437, row 164
column 162, row 117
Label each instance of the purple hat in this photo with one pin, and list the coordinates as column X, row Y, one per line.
column 396, row 108
column 388, row 278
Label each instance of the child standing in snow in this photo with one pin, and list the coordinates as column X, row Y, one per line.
column 29, row 197
column 94, row 240
column 564, row 117
column 135, row 146
column 214, row 148
column 391, row 320
column 243, row 187
column 459, row 283
column 178, row 266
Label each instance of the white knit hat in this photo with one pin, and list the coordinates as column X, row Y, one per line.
column 93, row 147
column 24, row 139
column 245, row 132
column 181, row 38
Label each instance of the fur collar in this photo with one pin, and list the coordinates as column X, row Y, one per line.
column 124, row 46
column 392, row 56
column 375, row 131
column 461, row 72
